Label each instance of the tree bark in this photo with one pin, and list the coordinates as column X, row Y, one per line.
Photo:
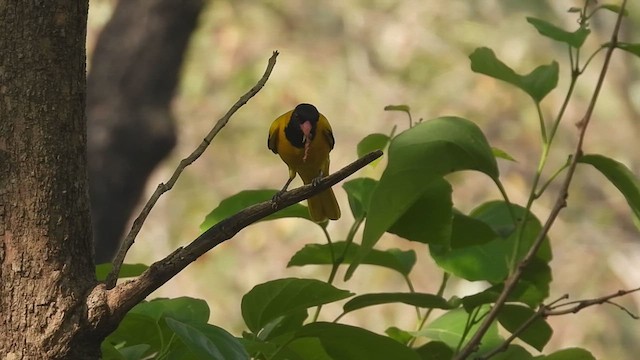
column 134, row 73
column 46, row 262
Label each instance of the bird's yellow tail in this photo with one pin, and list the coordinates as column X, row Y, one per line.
column 324, row 206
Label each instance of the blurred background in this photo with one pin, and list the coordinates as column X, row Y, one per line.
column 351, row 59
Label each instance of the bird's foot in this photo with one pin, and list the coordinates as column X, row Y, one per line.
column 275, row 200
column 316, row 181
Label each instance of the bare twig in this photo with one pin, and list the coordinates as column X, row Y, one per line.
column 581, row 304
column 126, row 295
column 560, row 203
column 162, row 188
column 545, row 311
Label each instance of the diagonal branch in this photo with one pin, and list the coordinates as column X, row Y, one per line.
column 162, row 188
column 126, row 295
column 560, row 203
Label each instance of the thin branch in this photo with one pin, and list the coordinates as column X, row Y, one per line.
column 162, row 188
column 560, row 203
column 126, row 295
column 545, row 311
column 581, row 304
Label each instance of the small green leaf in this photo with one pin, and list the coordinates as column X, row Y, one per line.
column 126, row 271
column 513, row 352
column 372, row 142
column 417, row 157
column 574, row 10
column 631, row 48
column 428, row 301
column 570, row 354
column 538, row 334
column 615, row 8
column 450, row 329
column 574, row 39
column 620, row 176
column 347, row 342
column 268, row 301
column 244, row 199
column 499, row 153
column 537, row 84
column 399, row 335
column 404, row 108
column 208, row 341
column 435, row 350
column 183, row 309
column 320, row 254
column 359, row 194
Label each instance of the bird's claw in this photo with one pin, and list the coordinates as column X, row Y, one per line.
column 275, row 200
column 316, row 181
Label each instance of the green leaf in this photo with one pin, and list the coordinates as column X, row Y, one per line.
column 244, row 199
column 497, row 215
column 429, row 301
column 302, row 349
column 404, row 108
column 574, row 39
column 126, row 271
column 145, row 323
column 570, row 354
column 284, row 326
column 476, row 252
column 538, row 333
column 136, row 329
column 435, row 350
column 620, row 176
column 631, row 48
column 537, row 83
column 346, row 342
column 372, row 142
column 499, row 153
column 429, row 219
column 450, row 329
column 268, row 301
column 524, row 292
column 208, row 341
column 183, row 309
column 417, row 157
column 513, row 352
column 482, row 245
column 320, row 254
column 615, row 8
column 399, row 335
column 359, row 194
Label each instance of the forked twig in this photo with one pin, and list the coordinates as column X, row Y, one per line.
column 162, row 187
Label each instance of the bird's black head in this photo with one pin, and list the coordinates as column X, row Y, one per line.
column 305, row 112
column 302, row 125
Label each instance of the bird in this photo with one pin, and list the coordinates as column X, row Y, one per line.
column 303, row 138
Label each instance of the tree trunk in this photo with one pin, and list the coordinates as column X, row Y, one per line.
column 46, row 262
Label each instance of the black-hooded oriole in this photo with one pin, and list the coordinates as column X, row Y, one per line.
column 303, row 139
